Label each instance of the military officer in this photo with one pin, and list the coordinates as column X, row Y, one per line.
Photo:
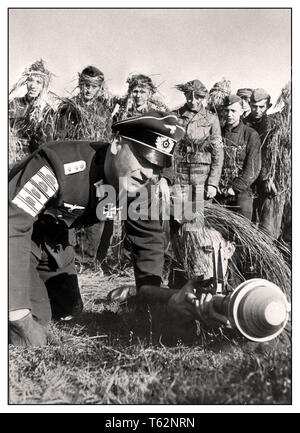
column 58, row 188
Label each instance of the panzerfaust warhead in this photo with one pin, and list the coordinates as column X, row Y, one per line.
column 257, row 308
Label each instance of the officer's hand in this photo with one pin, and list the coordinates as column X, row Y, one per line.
column 207, row 315
column 211, row 191
column 27, row 332
column 182, row 303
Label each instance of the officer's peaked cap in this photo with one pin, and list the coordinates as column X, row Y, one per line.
column 154, row 135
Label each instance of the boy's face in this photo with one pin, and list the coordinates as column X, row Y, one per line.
column 194, row 101
column 140, row 95
column 258, row 109
column 233, row 113
column 34, row 86
column 89, row 91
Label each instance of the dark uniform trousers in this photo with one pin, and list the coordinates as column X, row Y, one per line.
column 54, row 290
column 242, row 202
column 51, row 192
column 268, row 212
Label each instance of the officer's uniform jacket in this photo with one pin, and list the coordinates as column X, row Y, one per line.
column 55, row 186
column 242, row 157
column 199, row 155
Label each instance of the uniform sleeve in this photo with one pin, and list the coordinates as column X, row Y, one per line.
column 217, row 159
column 217, row 154
column 215, row 133
column 266, row 151
column 146, row 240
column 30, row 189
column 252, row 166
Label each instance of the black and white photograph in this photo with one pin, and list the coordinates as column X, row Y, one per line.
column 149, row 209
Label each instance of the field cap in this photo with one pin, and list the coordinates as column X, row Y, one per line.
column 231, row 99
column 259, row 94
column 154, row 135
column 195, row 86
column 245, row 92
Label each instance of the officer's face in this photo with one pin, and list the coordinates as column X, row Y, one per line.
column 140, row 95
column 233, row 113
column 194, row 101
column 34, row 86
column 258, row 109
column 89, row 91
column 131, row 171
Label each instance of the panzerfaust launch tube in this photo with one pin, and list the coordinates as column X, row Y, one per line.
column 257, row 308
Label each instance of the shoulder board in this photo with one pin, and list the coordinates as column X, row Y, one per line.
column 74, row 167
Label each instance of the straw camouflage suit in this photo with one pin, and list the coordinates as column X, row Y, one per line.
column 86, row 116
column 31, row 117
column 232, row 245
column 274, row 184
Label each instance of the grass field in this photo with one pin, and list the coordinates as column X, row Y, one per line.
column 101, row 358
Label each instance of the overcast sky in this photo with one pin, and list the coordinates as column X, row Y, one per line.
column 251, row 47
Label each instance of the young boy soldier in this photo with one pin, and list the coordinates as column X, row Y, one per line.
column 58, row 188
column 31, row 117
column 142, row 96
column 199, row 155
column 242, row 159
column 87, row 115
column 269, row 204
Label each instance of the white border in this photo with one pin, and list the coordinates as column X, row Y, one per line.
column 158, row 409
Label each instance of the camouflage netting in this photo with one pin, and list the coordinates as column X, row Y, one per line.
column 279, row 144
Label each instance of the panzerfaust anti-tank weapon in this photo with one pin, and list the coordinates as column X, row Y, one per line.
column 257, row 308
